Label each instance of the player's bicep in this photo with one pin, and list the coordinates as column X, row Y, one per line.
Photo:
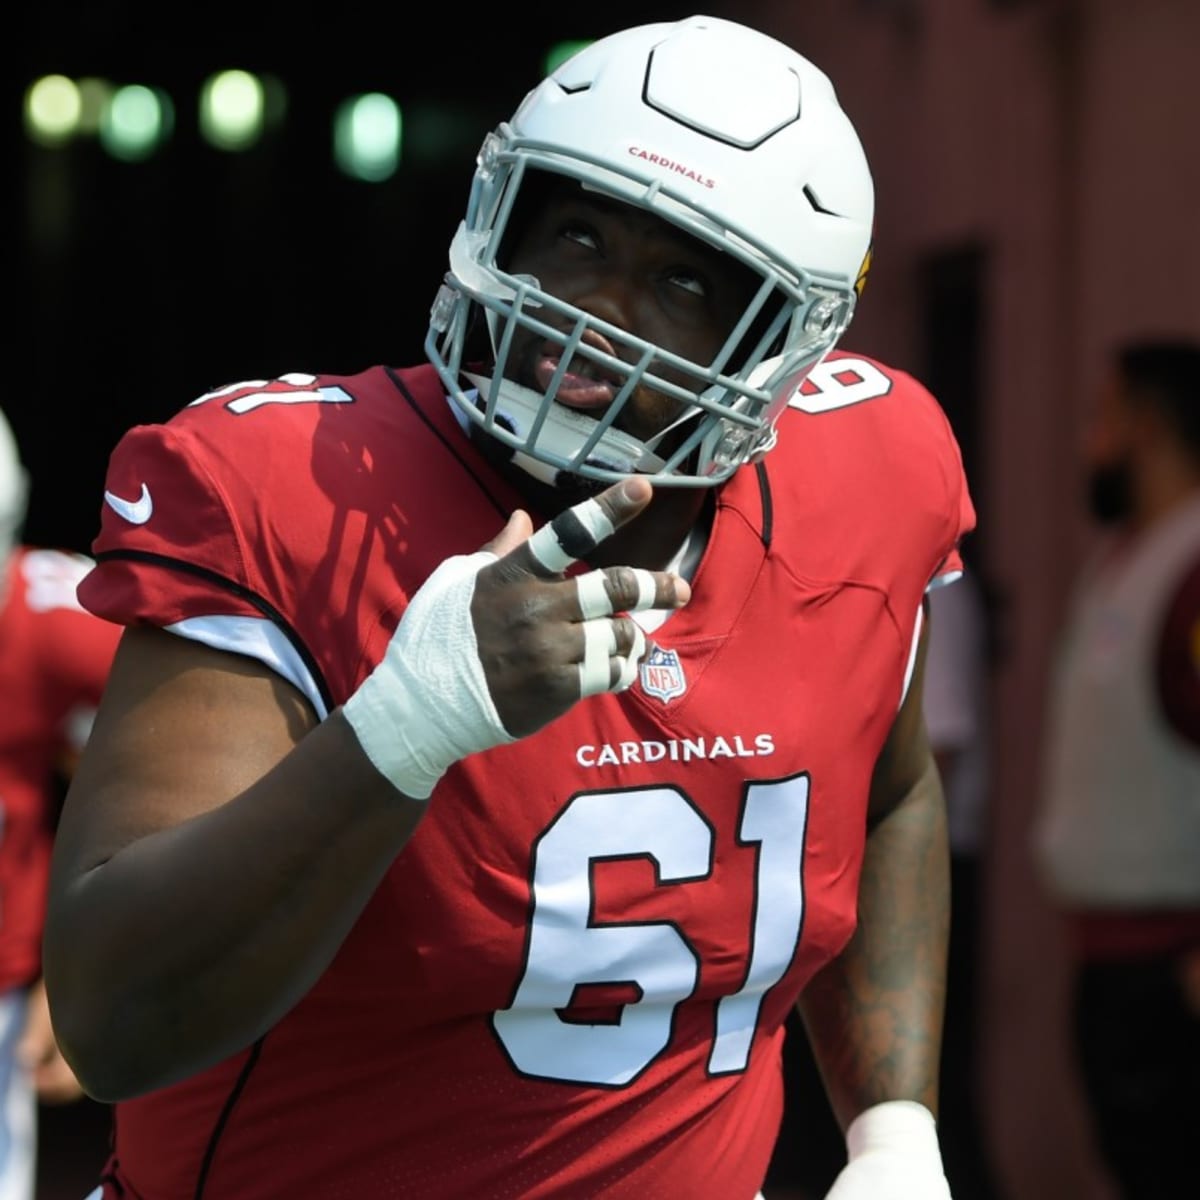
column 181, row 729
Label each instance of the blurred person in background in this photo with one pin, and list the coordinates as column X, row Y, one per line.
column 54, row 659
column 1117, row 836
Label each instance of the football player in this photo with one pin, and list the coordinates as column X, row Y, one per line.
column 54, row 658
column 503, row 745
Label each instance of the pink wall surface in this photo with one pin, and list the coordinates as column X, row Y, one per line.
column 1063, row 136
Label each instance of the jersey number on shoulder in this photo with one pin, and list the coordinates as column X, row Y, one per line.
column 838, row 383
column 567, row 949
column 293, row 388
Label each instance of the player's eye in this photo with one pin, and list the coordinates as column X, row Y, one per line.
column 689, row 281
column 580, row 234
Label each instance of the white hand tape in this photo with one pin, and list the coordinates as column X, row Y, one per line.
column 593, row 595
column 646, row 590
column 893, row 1154
column 599, row 645
column 426, row 704
column 573, row 534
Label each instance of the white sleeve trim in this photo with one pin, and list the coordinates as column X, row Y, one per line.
column 912, row 655
column 942, row 580
column 257, row 638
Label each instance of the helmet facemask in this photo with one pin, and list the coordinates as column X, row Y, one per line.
column 728, row 406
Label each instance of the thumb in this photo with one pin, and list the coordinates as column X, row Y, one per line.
column 517, row 530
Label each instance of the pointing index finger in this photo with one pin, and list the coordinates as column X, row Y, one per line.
column 578, row 530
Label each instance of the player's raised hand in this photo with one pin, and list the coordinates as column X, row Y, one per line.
column 498, row 643
column 545, row 640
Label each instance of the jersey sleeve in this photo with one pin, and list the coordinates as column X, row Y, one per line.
column 1177, row 667
column 183, row 546
column 260, row 520
column 917, row 477
column 168, row 548
column 870, row 457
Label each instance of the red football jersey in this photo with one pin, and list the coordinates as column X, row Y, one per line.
column 573, row 980
column 54, row 659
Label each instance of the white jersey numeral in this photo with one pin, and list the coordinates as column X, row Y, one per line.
column 839, row 383
column 567, row 949
column 775, row 818
column 294, row 388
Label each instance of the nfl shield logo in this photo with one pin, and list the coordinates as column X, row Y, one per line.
column 662, row 674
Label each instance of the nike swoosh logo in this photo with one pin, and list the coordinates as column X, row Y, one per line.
column 136, row 512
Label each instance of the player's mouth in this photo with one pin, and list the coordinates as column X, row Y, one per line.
column 586, row 387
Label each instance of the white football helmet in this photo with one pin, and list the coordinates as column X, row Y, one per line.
column 736, row 139
column 14, row 490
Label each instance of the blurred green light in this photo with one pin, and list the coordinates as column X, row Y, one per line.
column 52, row 110
column 232, row 105
column 137, row 122
column 366, row 137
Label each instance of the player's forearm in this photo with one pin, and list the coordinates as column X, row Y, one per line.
column 874, row 1014
column 186, row 945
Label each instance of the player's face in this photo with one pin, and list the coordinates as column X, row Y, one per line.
column 635, row 271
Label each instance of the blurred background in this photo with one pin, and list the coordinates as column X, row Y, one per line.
column 1038, row 181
